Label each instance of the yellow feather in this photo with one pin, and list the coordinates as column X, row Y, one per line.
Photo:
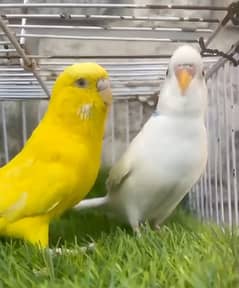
column 59, row 163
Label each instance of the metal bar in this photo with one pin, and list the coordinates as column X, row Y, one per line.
column 112, row 28
column 204, row 183
column 221, row 116
column 198, row 200
column 235, row 148
column 6, row 69
column 73, row 17
column 190, row 199
column 209, row 164
column 161, row 69
column 23, row 24
column 129, row 68
column 161, row 64
column 24, row 123
column 127, row 81
column 233, row 143
column 115, row 92
column 138, row 72
column 213, row 35
column 7, row 51
column 5, row 42
column 39, row 114
column 17, row 83
column 16, row 89
column 20, row 97
column 127, row 123
column 115, row 79
column 106, row 5
column 19, row 75
column 139, row 56
column 109, row 38
column 202, row 197
column 208, row 60
column 25, row 96
column 141, row 115
column 112, row 120
column 215, row 134
column 222, row 23
column 4, row 129
column 22, row 53
column 19, row 80
column 227, row 141
column 221, row 61
column 14, row 42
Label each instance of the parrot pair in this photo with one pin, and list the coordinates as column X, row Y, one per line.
column 59, row 163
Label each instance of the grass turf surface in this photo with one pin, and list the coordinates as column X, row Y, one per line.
column 184, row 253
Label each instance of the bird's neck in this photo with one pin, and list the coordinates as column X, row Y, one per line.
column 86, row 123
column 181, row 108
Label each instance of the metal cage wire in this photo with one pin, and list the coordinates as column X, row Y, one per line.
column 26, row 76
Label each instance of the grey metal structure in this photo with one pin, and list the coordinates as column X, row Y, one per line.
column 27, row 75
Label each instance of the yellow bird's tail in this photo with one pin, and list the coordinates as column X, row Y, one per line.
column 3, row 223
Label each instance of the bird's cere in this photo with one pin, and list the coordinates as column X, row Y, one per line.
column 103, row 86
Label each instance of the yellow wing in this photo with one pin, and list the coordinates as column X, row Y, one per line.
column 32, row 187
column 42, row 177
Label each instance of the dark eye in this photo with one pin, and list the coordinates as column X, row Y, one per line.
column 203, row 73
column 167, row 72
column 81, row 82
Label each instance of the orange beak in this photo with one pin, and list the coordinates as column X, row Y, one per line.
column 184, row 77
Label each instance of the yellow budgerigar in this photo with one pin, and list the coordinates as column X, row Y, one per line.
column 59, row 163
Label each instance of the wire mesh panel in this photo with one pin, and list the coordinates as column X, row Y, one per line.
column 216, row 194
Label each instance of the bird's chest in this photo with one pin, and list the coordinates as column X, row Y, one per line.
column 77, row 175
column 85, row 173
column 176, row 152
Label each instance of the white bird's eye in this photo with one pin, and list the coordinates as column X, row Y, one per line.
column 167, row 72
column 82, row 83
column 203, row 73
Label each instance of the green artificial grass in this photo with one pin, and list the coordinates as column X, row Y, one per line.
column 184, row 253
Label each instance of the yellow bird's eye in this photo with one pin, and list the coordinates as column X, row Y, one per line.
column 82, row 83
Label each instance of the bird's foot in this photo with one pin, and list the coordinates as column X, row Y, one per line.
column 136, row 230
column 157, row 227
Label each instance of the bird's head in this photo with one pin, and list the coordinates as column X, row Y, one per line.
column 184, row 89
column 81, row 92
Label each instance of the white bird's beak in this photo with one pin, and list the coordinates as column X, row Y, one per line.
column 184, row 74
column 103, row 86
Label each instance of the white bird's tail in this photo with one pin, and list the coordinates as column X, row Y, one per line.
column 101, row 202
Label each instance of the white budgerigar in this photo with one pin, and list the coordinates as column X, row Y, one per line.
column 168, row 155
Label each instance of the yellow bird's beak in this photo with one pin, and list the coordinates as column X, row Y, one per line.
column 103, row 86
column 184, row 76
